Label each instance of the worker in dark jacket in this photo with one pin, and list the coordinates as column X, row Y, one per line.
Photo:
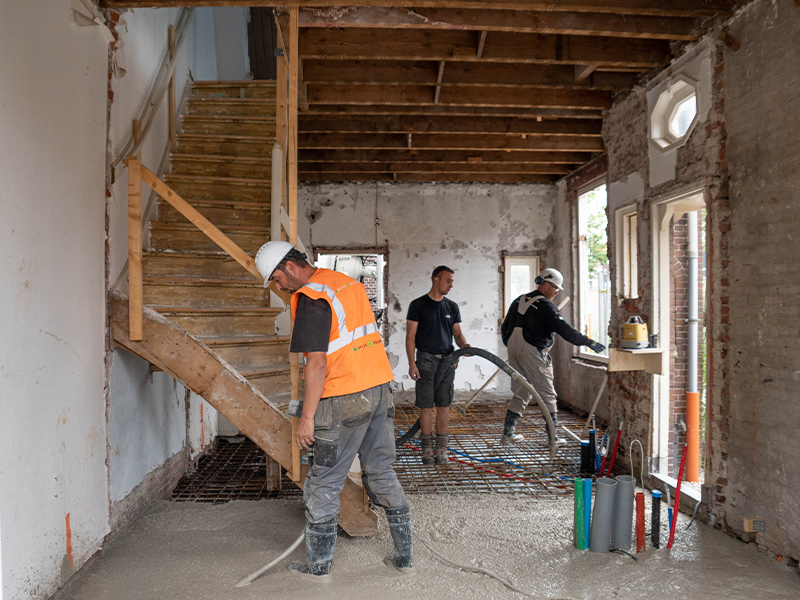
column 529, row 331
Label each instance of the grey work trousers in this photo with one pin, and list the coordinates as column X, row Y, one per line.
column 537, row 367
column 363, row 424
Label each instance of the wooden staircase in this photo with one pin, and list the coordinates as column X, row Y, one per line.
column 220, row 313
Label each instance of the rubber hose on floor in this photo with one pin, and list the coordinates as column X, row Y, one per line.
column 507, row 368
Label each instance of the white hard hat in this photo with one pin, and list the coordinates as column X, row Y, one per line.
column 550, row 276
column 269, row 255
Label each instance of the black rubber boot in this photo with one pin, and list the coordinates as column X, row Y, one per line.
column 400, row 528
column 320, row 543
column 427, row 448
column 442, row 442
column 559, row 440
column 510, row 425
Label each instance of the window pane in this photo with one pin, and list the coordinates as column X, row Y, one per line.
column 682, row 116
column 520, row 280
column 594, row 284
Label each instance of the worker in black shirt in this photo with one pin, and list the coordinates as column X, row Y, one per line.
column 432, row 323
column 529, row 332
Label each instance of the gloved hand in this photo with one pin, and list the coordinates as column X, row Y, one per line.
column 597, row 347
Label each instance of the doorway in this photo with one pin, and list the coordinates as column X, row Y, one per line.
column 679, row 309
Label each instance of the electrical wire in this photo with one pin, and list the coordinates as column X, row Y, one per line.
column 694, row 513
column 641, row 469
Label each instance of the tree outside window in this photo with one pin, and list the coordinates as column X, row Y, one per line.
column 594, row 286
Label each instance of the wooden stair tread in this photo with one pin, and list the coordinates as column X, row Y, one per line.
column 236, row 310
column 233, row 101
column 240, row 204
column 232, row 228
column 202, row 281
column 210, row 83
column 254, row 371
column 242, row 340
column 235, row 118
column 217, row 179
column 219, row 137
column 221, row 158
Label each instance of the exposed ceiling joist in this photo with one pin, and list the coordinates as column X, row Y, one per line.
column 433, row 167
column 461, row 74
column 682, row 8
column 466, row 125
column 596, row 24
column 444, row 156
column 430, row 110
column 311, row 177
column 381, row 141
column 371, row 44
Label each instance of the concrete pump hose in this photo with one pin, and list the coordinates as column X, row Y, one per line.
column 250, row 578
column 507, row 368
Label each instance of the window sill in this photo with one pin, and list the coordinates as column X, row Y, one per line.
column 592, row 357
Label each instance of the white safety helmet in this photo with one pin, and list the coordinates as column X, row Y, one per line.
column 551, row 276
column 269, row 256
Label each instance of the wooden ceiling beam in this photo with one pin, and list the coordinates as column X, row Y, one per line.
column 445, row 156
column 464, row 125
column 392, row 72
column 597, row 24
column 426, row 141
column 472, row 96
column 398, row 44
column 679, row 8
column 430, row 109
column 429, row 177
column 433, row 167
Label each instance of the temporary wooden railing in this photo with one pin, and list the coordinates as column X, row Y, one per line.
column 138, row 173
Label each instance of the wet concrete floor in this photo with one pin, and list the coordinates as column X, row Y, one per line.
column 199, row 551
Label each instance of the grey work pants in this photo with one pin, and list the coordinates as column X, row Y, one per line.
column 537, row 367
column 363, row 424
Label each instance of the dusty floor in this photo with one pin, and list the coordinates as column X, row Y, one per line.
column 199, row 551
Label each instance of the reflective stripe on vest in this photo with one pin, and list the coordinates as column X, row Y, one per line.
column 346, row 337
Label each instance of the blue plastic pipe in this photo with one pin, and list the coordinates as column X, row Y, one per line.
column 587, row 510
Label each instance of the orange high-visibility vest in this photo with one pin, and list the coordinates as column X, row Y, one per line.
column 356, row 356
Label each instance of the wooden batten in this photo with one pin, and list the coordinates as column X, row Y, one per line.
column 135, row 287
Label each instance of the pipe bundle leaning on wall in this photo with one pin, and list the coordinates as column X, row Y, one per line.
column 600, row 540
column 623, row 513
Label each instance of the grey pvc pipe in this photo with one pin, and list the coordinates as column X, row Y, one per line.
column 623, row 513
column 602, row 515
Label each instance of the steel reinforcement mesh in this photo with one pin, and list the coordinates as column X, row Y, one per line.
column 477, row 461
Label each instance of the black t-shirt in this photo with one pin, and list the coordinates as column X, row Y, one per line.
column 540, row 323
column 312, row 325
column 435, row 324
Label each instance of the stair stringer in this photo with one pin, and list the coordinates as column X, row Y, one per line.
column 184, row 357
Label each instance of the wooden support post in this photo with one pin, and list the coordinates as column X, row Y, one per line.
column 135, row 292
column 273, row 474
column 173, row 94
column 281, row 108
column 291, row 157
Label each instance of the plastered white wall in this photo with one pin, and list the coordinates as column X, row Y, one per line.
column 230, row 32
column 465, row 227
column 146, row 422
column 52, row 295
column 145, row 41
column 203, row 425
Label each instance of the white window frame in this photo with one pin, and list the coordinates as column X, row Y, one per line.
column 510, row 261
column 676, row 91
column 627, row 250
column 581, row 266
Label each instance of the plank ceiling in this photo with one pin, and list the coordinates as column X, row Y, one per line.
column 467, row 91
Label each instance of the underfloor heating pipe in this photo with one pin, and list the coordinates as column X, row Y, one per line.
column 580, row 529
column 587, row 511
column 600, row 540
column 622, row 521
column 655, row 520
column 640, row 543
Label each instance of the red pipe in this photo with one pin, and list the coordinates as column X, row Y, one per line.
column 677, row 497
column 640, row 548
column 614, row 454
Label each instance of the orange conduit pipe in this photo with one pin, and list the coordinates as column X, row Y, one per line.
column 693, row 436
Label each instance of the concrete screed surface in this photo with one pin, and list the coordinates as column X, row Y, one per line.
column 199, row 551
